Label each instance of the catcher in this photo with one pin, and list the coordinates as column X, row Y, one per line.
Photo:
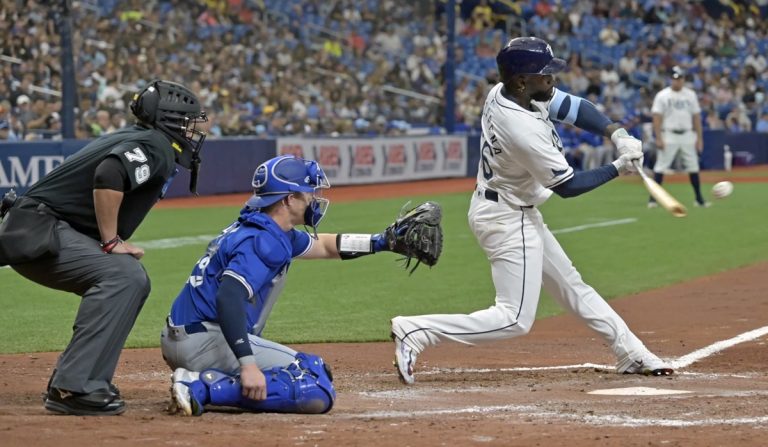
column 212, row 339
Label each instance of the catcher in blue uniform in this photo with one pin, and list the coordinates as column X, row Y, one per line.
column 212, row 339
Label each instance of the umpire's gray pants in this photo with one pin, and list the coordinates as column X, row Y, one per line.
column 209, row 349
column 113, row 288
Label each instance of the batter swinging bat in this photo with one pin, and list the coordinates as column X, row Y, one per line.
column 661, row 195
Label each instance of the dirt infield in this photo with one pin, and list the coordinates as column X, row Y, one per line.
column 531, row 391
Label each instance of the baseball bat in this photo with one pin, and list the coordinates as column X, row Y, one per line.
column 663, row 198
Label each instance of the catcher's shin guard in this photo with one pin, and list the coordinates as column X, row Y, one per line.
column 305, row 386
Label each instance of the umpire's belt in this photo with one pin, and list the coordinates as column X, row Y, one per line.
column 187, row 329
column 493, row 196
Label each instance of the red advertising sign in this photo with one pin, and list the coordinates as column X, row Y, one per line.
column 292, row 149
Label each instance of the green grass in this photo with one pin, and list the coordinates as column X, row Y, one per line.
column 354, row 300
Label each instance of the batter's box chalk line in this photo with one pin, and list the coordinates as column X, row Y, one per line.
column 679, row 363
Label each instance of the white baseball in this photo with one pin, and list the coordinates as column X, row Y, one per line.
column 722, row 190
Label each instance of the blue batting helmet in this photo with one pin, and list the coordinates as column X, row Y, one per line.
column 284, row 175
column 527, row 55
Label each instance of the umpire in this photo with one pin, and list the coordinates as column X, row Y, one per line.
column 69, row 232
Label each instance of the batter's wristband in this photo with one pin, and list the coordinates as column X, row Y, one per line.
column 110, row 245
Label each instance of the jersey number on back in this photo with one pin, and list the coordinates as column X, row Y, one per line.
column 485, row 152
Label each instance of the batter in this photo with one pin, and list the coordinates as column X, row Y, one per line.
column 521, row 164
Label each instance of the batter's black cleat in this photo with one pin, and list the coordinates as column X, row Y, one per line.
column 97, row 403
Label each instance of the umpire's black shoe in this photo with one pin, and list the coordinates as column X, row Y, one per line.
column 97, row 403
column 113, row 390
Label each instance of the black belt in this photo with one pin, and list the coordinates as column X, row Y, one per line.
column 680, row 131
column 493, row 196
column 191, row 328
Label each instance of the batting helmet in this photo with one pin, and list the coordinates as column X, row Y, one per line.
column 527, row 55
column 174, row 110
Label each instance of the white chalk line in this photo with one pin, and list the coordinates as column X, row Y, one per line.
column 607, row 223
column 176, row 242
column 679, row 363
column 705, row 352
column 532, row 411
column 614, row 420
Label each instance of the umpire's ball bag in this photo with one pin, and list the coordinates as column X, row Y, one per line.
column 27, row 234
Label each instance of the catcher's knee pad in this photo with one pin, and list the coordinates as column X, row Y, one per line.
column 304, row 386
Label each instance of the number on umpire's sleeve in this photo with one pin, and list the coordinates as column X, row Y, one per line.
column 142, row 174
column 136, row 155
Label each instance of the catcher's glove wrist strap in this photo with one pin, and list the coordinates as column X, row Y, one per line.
column 353, row 246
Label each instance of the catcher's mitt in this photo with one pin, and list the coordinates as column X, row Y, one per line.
column 417, row 234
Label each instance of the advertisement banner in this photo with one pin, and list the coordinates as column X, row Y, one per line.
column 348, row 161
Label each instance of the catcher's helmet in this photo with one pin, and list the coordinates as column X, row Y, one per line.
column 527, row 55
column 284, row 175
column 174, row 110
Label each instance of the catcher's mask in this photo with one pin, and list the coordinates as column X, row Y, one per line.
column 174, row 110
column 280, row 176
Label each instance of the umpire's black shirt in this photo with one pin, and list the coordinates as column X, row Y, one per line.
column 147, row 156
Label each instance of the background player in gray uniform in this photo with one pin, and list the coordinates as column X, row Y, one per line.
column 97, row 198
column 213, row 336
column 521, row 165
column 677, row 127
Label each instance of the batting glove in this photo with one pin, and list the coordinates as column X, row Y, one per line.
column 624, row 165
column 625, row 143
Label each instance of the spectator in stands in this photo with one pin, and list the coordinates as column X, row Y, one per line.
column 737, row 120
column 242, row 52
column 713, row 121
column 762, row 122
column 609, row 36
column 5, row 129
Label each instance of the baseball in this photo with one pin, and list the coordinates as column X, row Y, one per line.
column 722, row 190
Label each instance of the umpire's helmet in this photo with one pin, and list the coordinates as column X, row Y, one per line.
column 527, row 55
column 174, row 110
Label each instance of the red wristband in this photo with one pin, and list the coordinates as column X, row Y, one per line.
column 110, row 245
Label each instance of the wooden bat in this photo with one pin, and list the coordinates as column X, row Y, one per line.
column 663, row 198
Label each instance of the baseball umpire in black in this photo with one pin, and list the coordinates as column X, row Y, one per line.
column 70, row 230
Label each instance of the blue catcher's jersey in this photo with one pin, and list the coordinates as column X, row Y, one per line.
column 256, row 252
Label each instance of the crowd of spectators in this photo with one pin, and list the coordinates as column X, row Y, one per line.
column 373, row 67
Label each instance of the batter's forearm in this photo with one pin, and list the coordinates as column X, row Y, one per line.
column 586, row 181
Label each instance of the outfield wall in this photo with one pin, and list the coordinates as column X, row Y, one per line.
column 228, row 163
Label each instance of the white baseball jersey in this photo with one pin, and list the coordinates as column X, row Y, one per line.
column 520, row 160
column 676, row 108
column 521, row 152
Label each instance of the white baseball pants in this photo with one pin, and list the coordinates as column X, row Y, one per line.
column 524, row 255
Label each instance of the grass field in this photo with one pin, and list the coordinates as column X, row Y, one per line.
column 326, row 301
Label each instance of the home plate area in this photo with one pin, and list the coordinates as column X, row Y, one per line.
column 576, row 396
